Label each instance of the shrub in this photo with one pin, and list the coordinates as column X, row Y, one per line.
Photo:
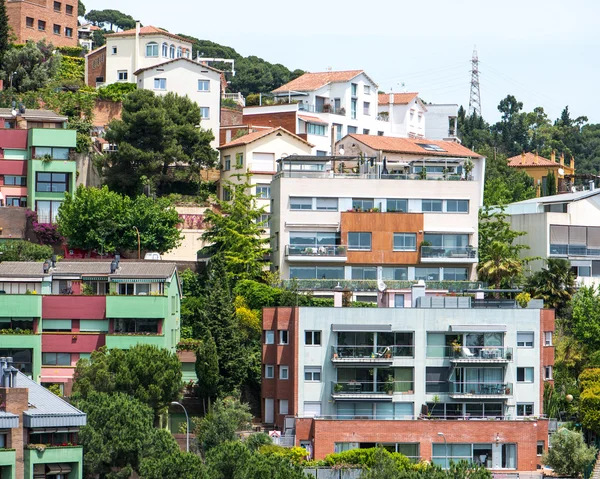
column 71, row 51
column 116, row 91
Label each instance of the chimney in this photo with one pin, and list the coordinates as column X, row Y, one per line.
column 553, row 156
column 9, row 374
column 536, row 161
column 53, row 261
column 113, row 266
column 391, row 98
column 417, row 291
column 562, row 158
column 137, row 47
column 573, row 163
column 522, row 157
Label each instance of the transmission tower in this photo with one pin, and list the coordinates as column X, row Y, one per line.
column 475, row 95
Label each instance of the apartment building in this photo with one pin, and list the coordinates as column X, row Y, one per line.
column 54, row 313
column 38, row 430
column 561, row 226
column 354, row 220
column 450, row 378
column 36, row 169
column 50, row 20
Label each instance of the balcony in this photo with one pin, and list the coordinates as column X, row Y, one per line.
column 480, row 354
column 369, row 354
column 483, row 390
column 370, row 176
column 370, row 389
column 371, row 284
column 325, row 108
column 573, row 250
column 311, row 253
column 236, row 97
column 20, row 305
column 8, row 457
column 121, row 306
column 126, row 341
column 456, row 254
column 52, row 137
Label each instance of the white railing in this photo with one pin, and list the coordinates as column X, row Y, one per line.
column 284, row 441
column 237, row 97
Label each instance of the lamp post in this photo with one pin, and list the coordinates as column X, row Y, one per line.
column 187, row 426
column 445, row 450
column 138, row 236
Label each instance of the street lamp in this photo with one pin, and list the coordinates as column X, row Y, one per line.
column 445, row 450
column 187, row 425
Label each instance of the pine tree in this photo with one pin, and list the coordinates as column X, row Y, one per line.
column 207, row 370
column 4, row 29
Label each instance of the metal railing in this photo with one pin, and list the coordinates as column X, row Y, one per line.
column 492, row 353
column 573, row 250
column 372, row 352
column 284, row 441
column 370, row 176
column 371, row 387
column 312, row 250
column 454, row 252
column 481, row 388
column 494, row 303
column 371, row 284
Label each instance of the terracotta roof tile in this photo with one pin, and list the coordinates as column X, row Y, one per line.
column 257, row 135
column 312, row 119
column 149, row 30
column 399, row 98
column 314, row 81
column 531, row 159
column 412, row 146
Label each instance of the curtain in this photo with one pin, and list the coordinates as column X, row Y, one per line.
column 559, row 234
column 577, row 235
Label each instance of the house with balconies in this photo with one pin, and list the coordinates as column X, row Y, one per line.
column 561, row 226
column 465, row 367
column 38, row 430
column 53, row 314
column 357, row 219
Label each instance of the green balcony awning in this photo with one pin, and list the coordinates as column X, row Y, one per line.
column 94, row 278
column 137, row 280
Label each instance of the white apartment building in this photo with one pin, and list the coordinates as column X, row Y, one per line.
column 561, row 226
column 336, row 220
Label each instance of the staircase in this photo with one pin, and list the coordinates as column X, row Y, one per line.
column 596, row 472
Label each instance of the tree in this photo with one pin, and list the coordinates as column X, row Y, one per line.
column 493, row 227
column 102, row 220
column 550, row 184
column 20, row 250
column 586, row 318
column 568, row 454
column 98, row 38
column 228, row 459
column 236, row 231
column 155, row 137
column 226, row 418
column 384, row 467
column 500, row 268
column 80, row 9
column 150, row 374
column 31, row 67
column 180, row 465
column 4, row 30
column 114, row 18
column 555, row 284
column 589, row 400
column 207, row 370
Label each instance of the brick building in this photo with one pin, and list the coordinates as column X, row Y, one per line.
column 51, row 20
column 470, row 368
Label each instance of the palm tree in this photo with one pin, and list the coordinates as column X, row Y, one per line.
column 502, row 267
column 555, row 284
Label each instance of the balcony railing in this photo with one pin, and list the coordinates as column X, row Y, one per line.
column 371, row 352
column 481, row 388
column 370, row 176
column 573, row 250
column 312, row 250
column 451, row 253
column 371, row 284
column 371, row 387
column 237, row 97
column 321, row 109
column 475, row 353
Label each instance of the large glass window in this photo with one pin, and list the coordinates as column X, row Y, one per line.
column 52, row 182
column 317, row 272
column 405, row 242
column 363, row 204
column 447, row 240
column 400, row 206
column 56, row 359
column 301, row 203
column 130, row 325
column 313, row 129
column 22, row 359
column 455, row 274
column 18, row 324
column 524, row 409
column 427, row 274
column 47, row 211
column 359, row 241
column 395, row 273
column 54, row 153
column 457, row 206
column 361, row 272
column 15, row 180
column 312, row 239
column 436, row 380
column 431, row 206
column 442, row 453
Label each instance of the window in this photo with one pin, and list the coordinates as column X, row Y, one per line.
column 457, row 206
column 353, row 89
column 172, row 51
column 359, row 241
column 313, row 129
column 227, row 162
column 265, row 220
column 352, row 110
column 203, row 85
column 524, row 375
column 405, row 242
column 283, row 336
column 540, row 448
column 312, row 338
column 283, row 406
column 179, row 52
column 15, row 180
column 54, row 153
column 160, row 83
column 263, row 191
column 239, row 160
column 366, row 131
column 165, row 50
column 398, row 300
column 284, row 372
column 69, row 9
column 548, row 373
column 366, row 108
column 525, row 339
column 395, row 273
column 226, row 194
column 431, row 205
column 400, row 206
column 327, row 204
column 130, row 289
column 314, row 272
column 29, row 22
column 312, row 373
column 548, row 338
column 47, row 211
column 41, row 25
column 367, row 90
column 52, row 182
column 300, row 203
column 122, row 75
column 352, row 129
column 362, row 204
column 427, row 274
column 204, row 112
column 362, row 272
column 152, row 49
column 57, row 29
column 16, row 201
column 68, row 32
column 456, row 274
column 269, row 337
column 524, row 409
column 269, row 371
column 114, row 50
column 56, row 359
column 136, row 325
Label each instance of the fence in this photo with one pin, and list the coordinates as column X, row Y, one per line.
column 328, row 473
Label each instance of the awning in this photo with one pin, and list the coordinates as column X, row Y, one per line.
column 361, row 327
column 312, row 119
column 94, row 278
column 587, row 263
column 54, row 469
column 478, row 328
column 137, row 280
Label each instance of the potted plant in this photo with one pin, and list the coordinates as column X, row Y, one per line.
column 423, row 173
column 338, row 388
column 375, row 210
column 509, row 355
column 326, row 108
column 340, row 249
column 342, row 111
column 389, row 385
column 456, row 346
column 523, row 299
column 468, row 166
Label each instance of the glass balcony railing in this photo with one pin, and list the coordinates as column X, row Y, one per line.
column 313, row 250
column 452, row 253
column 372, row 352
column 371, row 387
column 371, row 284
column 573, row 250
column 483, row 353
column 481, row 388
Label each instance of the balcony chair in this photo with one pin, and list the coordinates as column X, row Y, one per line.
column 383, row 352
column 466, row 353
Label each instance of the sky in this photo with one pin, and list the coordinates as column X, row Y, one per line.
column 544, row 52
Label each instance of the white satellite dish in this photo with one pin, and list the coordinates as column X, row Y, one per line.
column 561, row 172
column 342, row 151
column 381, row 286
column 13, row 112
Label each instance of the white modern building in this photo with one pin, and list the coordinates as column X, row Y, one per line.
column 561, row 226
column 442, row 122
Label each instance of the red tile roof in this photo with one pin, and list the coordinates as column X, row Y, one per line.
column 399, row 98
column 412, row 146
column 149, row 30
column 314, row 81
column 257, row 135
column 530, row 160
column 312, row 119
